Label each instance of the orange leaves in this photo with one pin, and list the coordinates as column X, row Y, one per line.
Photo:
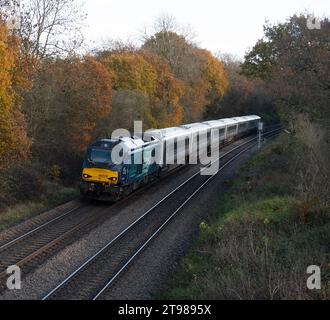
column 87, row 93
column 202, row 75
column 147, row 74
column 131, row 72
column 14, row 144
column 168, row 92
column 7, row 63
column 213, row 73
column 73, row 95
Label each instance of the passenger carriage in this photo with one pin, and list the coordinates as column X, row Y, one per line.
column 141, row 160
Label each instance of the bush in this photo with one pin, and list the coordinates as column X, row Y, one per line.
column 20, row 183
column 19, row 212
column 262, row 239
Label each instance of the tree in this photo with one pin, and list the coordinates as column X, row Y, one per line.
column 166, row 106
column 294, row 60
column 202, row 74
column 131, row 72
column 14, row 143
column 47, row 27
column 139, row 73
column 69, row 98
column 213, row 73
column 296, row 68
column 127, row 106
column 259, row 61
column 244, row 95
column 177, row 52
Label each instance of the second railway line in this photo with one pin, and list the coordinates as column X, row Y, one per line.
column 28, row 251
column 94, row 277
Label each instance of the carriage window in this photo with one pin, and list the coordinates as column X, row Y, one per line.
column 208, row 137
column 232, row 129
column 187, row 145
column 175, row 150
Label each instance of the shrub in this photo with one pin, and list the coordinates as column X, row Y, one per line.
column 262, row 239
column 20, row 183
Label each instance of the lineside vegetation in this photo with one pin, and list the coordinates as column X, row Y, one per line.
column 262, row 238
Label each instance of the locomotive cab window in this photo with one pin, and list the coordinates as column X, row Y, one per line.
column 101, row 156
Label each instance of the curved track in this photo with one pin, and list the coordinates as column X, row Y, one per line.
column 95, row 277
column 31, row 248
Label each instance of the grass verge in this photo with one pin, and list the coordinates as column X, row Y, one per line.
column 52, row 195
column 261, row 240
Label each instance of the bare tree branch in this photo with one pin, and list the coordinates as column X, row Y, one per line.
column 48, row 27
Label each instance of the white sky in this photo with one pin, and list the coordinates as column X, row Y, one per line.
column 229, row 26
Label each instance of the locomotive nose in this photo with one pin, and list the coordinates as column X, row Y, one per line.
column 100, row 176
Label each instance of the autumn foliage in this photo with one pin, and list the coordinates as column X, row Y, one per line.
column 202, row 74
column 14, row 142
column 148, row 75
column 53, row 106
column 68, row 99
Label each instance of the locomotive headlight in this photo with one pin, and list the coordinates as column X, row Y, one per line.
column 86, row 176
column 113, row 179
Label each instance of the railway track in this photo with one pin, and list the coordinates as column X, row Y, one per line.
column 98, row 274
column 29, row 249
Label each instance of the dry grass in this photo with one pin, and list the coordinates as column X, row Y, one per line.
column 311, row 164
column 262, row 240
column 19, row 212
column 52, row 195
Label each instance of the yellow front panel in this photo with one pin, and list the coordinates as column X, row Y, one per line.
column 100, row 175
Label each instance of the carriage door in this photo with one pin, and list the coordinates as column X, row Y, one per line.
column 139, row 164
column 146, row 157
column 209, row 142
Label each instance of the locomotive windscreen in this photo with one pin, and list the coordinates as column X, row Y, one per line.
column 100, row 156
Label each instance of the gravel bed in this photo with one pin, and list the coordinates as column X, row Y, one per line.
column 25, row 226
column 152, row 273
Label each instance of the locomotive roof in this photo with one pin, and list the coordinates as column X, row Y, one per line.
column 105, row 143
column 128, row 142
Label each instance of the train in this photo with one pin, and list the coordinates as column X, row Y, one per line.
column 114, row 168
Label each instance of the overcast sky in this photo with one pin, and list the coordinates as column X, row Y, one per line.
column 228, row 26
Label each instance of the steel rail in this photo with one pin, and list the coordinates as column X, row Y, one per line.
column 42, row 226
column 128, row 228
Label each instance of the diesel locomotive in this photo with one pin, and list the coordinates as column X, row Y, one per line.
column 140, row 160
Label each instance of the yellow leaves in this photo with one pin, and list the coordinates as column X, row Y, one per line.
column 213, row 73
column 131, row 72
column 14, row 143
column 178, row 92
column 74, row 94
column 148, row 74
column 7, row 63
